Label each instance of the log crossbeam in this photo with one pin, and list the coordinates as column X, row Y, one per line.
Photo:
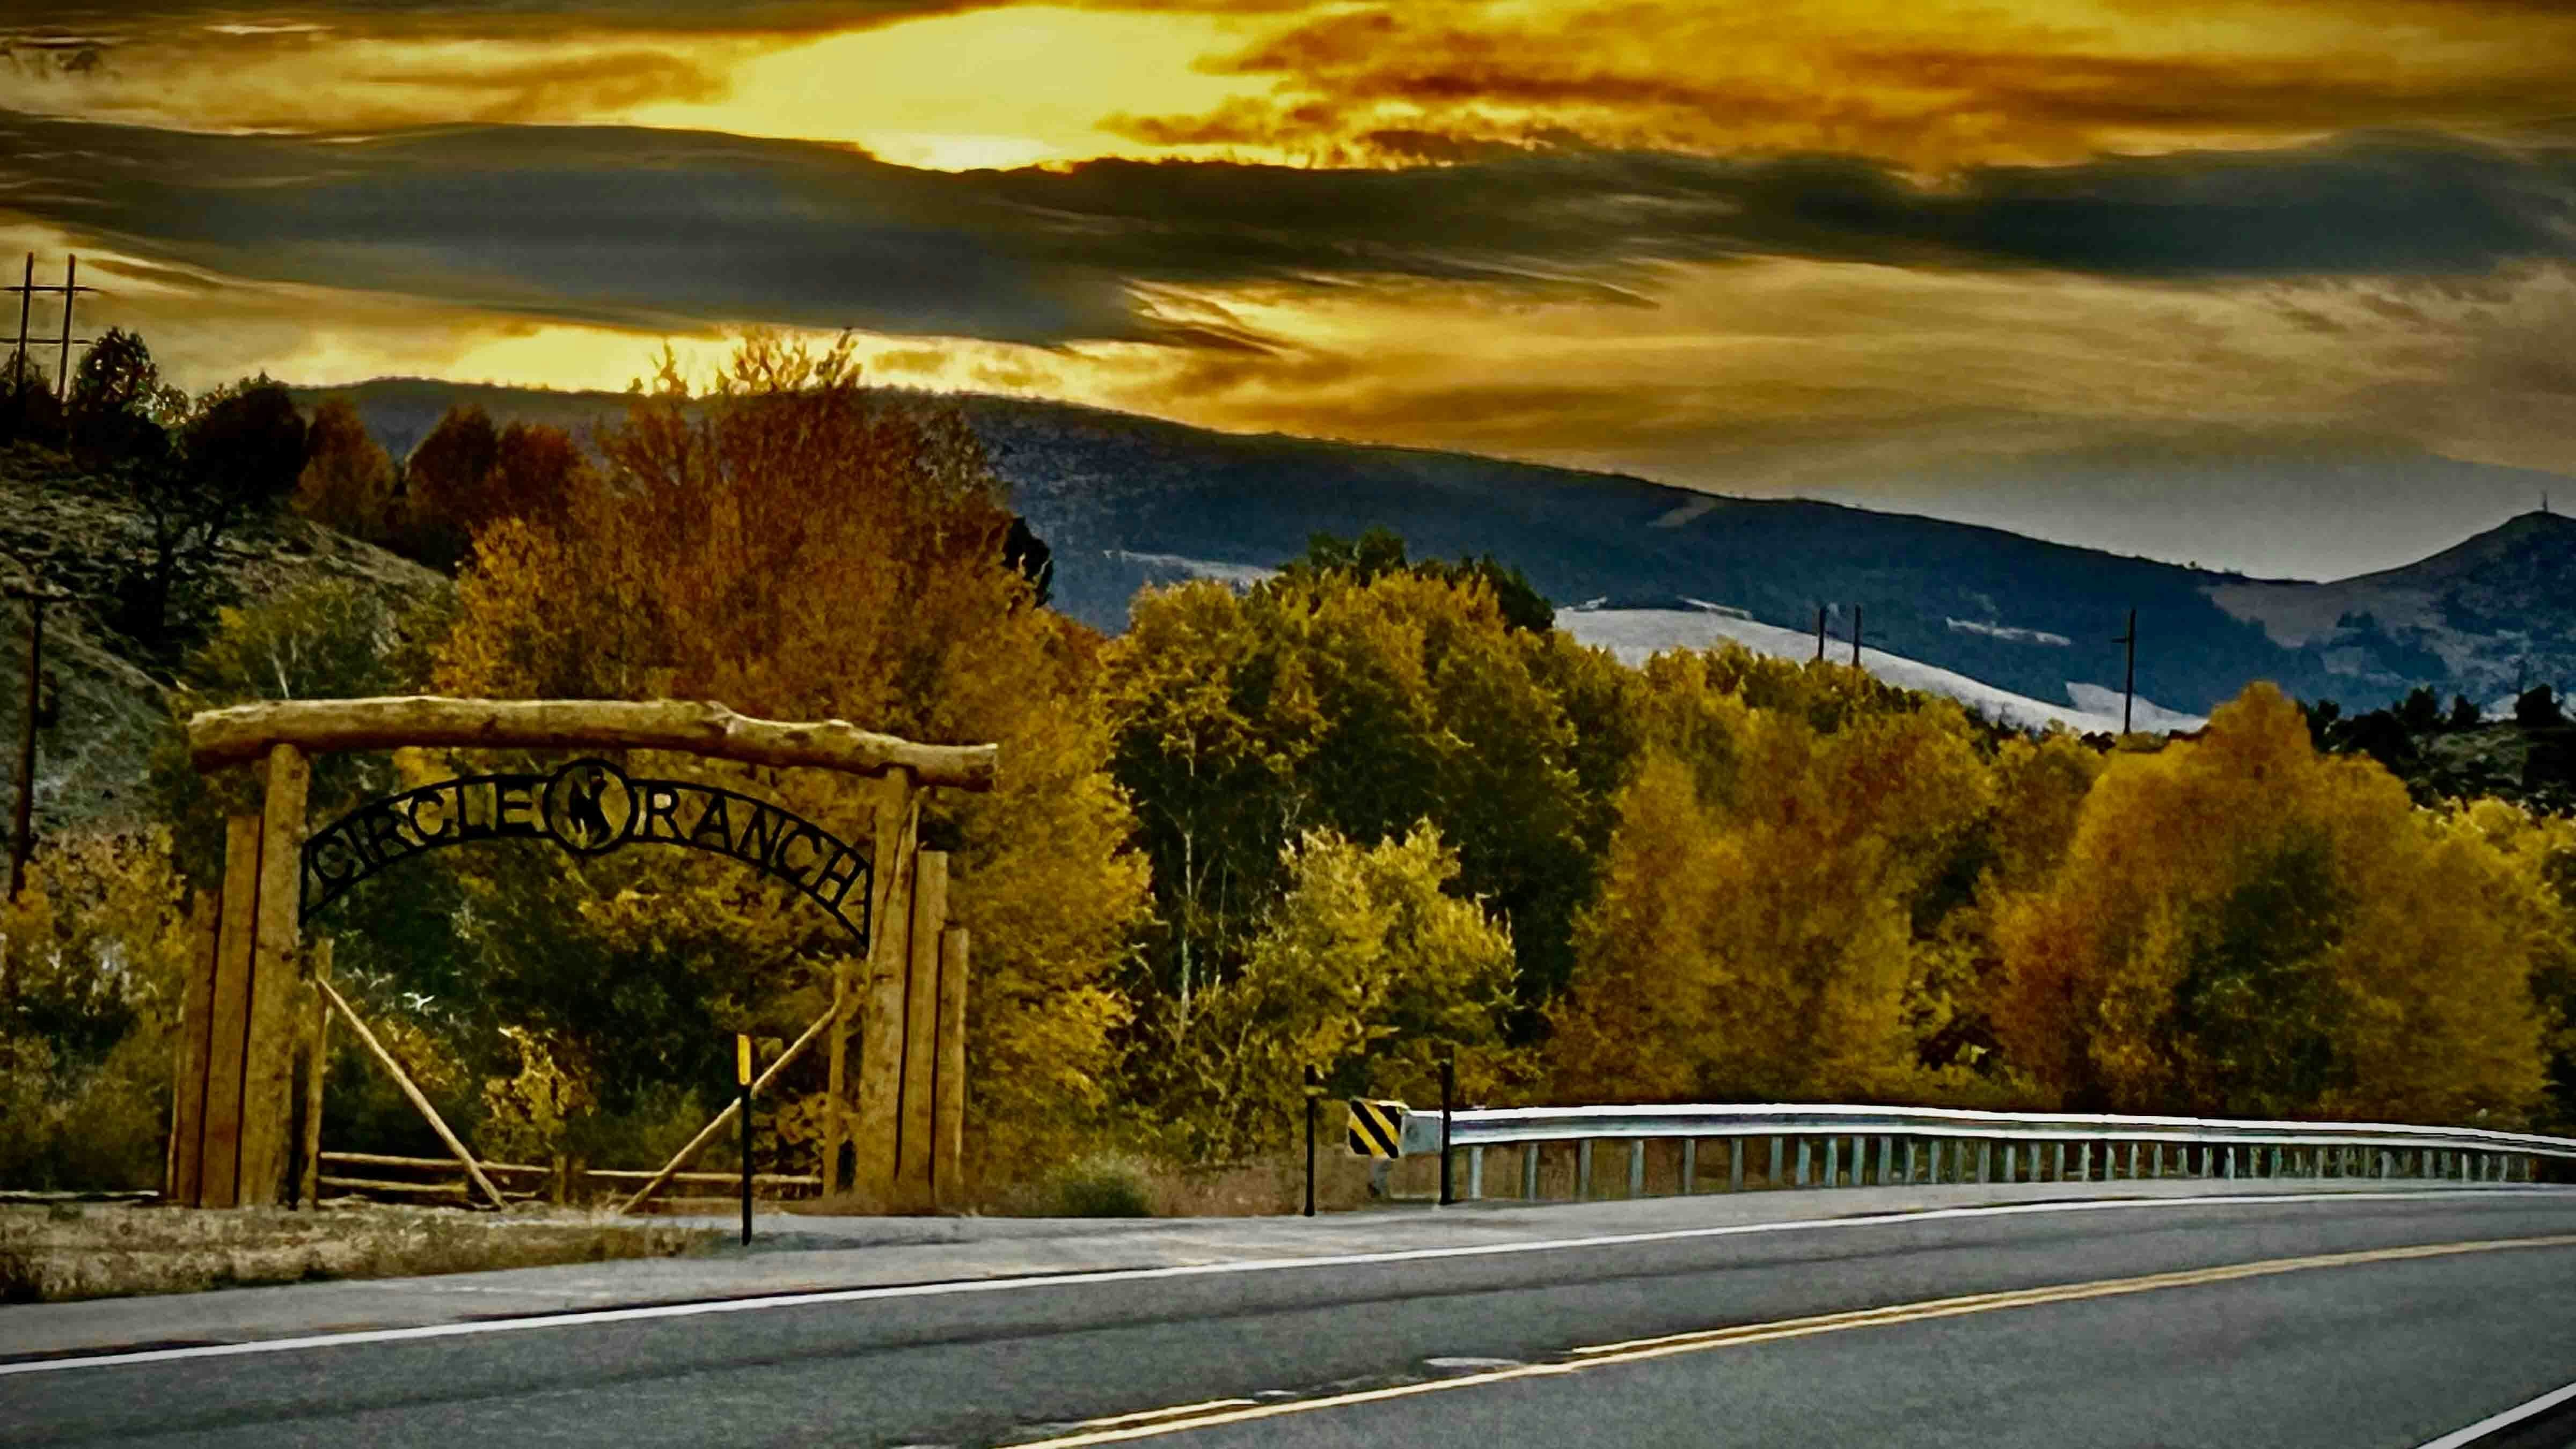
column 222, row 737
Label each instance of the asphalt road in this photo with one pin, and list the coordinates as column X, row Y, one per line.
column 2338, row 1336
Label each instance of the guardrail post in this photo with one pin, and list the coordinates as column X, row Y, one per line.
column 1908, row 1150
column 1735, row 1164
column 2058, row 1172
column 1774, row 1179
column 1636, row 1167
column 2227, row 1169
column 1985, row 1162
column 1529, row 1172
column 1802, row 1163
column 1886, row 1158
column 1475, row 1173
column 2084, row 1162
column 1833, row 1162
column 1583, row 1170
column 1690, row 1165
column 1938, row 1148
column 2012, row 1166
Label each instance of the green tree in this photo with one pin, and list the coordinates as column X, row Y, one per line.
column 1366, row 970
column 1363, row 705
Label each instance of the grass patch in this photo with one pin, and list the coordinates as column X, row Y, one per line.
column 62, row 1252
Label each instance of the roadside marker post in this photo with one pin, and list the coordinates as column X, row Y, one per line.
column 1448, row 1104
column 1376, row 1132
column 1314, row 1090
column 1376, row 1128
column 742, row 1081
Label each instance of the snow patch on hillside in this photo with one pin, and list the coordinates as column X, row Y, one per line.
column 1634, row 635
column 1242, row 576
column 2005, row 631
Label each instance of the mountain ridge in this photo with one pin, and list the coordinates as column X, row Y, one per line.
column 1126, row 501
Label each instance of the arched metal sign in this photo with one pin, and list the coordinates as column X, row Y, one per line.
column 589, row 807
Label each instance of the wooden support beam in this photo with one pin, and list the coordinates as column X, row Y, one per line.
column 228, row 1015
column 410, row 1092
column 317, row 1060
column 246, row 732
column 876, row 1134
column 725, row 1118
column 921, row 1032
column 948, row 1112
column 268, row 1064
column 836, row 1074
column 188, row 1069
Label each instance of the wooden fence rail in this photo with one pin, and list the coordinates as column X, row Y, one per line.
column 525, row 1182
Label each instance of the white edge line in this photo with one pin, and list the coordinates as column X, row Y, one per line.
column 2461, row 1438
column 645, row 1313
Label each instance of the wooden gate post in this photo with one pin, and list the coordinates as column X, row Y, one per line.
column 317, row 1058
column 881, row 1033
column 237, row 1077
column 185, row 1180
column 948, row 1111
column 921, row 1033
column 268, row 1062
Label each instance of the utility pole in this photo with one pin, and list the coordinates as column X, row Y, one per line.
column 63, row 374
column 1855, row 636
column 69, row 291
column 22, row 837
column 2129, row 681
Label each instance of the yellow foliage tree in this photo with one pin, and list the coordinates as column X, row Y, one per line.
column 92, row 956
column 801, row 547
column 1754, row 931
column 2243, row 927
column 1366, row 970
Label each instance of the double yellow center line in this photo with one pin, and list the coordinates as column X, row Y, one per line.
column 1180, row 1420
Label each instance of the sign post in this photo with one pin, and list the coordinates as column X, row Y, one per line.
column 742, row 1079
column 1448, row 1103
column 1314, row 1089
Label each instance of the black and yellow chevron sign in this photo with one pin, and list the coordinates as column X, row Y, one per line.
column 1376, row 1127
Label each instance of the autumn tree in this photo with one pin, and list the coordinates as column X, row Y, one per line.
column 1755, row 934
column 92, row 954
column 468, row 474
column 348, row 479
column 2242, row 927
column 801, row 547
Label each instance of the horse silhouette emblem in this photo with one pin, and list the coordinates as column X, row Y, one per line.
column 588, row 806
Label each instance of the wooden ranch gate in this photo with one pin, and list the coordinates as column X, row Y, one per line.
column 251, row 983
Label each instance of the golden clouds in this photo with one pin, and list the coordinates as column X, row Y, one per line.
column 266, row 80
column 1929, row 85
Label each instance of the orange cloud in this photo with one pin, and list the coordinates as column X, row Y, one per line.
column 1930, row 86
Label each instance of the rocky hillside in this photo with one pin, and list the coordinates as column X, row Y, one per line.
column 109, row 694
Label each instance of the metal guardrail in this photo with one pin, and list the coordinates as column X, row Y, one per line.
column 1936, row 1145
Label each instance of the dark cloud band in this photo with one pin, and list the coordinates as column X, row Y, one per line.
column 660, row 228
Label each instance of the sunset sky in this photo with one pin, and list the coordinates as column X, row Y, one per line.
column 2219, row 280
